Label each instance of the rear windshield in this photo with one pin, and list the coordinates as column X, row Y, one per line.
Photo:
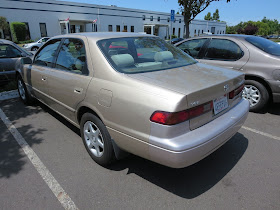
column 265, row 45
column 143, row 54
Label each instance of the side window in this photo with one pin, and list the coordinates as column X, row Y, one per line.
column 8, row 51
column 222, row 49
column 192, row 47
column 72, row 56
column 46, row 56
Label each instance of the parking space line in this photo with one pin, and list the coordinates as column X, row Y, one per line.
column 261, row 133
column 55, row 187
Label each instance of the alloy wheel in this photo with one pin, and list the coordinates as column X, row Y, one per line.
column 21, row 90
column 252, row 94
column 94, row 139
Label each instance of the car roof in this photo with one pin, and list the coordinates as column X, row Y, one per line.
column 236, row 36
column 103, row 35
column 4, row 41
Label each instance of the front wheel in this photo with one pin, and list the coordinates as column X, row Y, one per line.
column 256, row 93
column 22, row 91
column 97, row 139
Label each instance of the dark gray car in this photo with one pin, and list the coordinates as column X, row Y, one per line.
column 10, row 53
column 257, row 57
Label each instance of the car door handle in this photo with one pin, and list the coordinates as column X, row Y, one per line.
column 78, row 90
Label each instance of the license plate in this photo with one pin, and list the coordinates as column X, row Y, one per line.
column 220, row 104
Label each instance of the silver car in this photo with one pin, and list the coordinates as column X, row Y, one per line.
column 257, row 57
column 34, row 46
column 135, row 93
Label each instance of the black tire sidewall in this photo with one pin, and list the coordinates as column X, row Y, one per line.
column 27, row 99
column 108, row 154
column 34, row 48
column 263, row 94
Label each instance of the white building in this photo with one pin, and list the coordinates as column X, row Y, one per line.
column 49, row 18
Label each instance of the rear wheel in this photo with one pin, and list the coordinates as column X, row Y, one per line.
column 34, row 48
column 256, row 94
column 97, row 139
column 22, row 91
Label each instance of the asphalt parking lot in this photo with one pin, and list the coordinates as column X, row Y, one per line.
column 242, row 174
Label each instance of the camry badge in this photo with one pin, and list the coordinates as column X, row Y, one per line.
column 226, row 87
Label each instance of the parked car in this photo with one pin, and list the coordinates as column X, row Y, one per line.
column 257, row 57
column 34, row 46
column 9, row 54
column 175, row 40
column 149, row 98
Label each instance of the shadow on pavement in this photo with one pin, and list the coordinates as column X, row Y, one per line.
column 12, row 157
column 274, row 109
column 191, row 181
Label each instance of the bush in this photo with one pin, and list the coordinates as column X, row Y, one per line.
column 18, row 30
column 26, row 42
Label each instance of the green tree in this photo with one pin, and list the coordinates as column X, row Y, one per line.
column 191, row 8
column 216, row 15
column 208, row 16
column 230, row 30
column 3, row 23
column 263, row 28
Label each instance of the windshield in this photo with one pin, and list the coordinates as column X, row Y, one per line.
column 143, row 54
column 265, row 45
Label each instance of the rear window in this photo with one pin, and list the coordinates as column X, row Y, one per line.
column 265, row 45
column 143, row 54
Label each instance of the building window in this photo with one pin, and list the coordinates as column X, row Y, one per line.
column 151, row 18
column 144, row 17
column 43, row 29
column 118, row 28
column 180, row 20
column 202, row 31
column 198, row 32
column 179, row 32
column 110, row 28
column 132, row 28
column 27, row 31
column 158, row 18
column 124, row 28
column 223, row 32
column 194, row 31
column 173, row 31
column 168, row 19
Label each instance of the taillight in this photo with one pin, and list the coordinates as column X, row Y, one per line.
column 172, row 118
column 235, row 92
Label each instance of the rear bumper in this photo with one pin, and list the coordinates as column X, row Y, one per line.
column 193, row 146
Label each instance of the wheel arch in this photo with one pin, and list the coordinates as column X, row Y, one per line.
column 85, row 109
column 262, row 81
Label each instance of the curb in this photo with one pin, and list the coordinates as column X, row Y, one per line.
column 9, row 95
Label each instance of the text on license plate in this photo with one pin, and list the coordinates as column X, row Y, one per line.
column 220, row 104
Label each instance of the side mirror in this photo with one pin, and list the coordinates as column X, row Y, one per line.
column 26, row 60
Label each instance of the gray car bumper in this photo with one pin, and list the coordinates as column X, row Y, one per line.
column 204, row 140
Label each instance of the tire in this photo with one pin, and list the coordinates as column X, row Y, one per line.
column 257, row 94
column 22, row 91
column 99, row 145
column 34, row 48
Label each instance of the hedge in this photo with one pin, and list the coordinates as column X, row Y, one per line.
column 18, row 30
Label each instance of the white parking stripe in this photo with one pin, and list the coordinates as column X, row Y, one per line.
column 55, row 187
column 261, row 133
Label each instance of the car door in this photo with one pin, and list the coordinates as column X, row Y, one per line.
column 193, row 47
column 69, row 78
column 225, row 53
column 38, row 73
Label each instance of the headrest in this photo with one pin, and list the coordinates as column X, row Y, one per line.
column 123, row 60
column 163, row 56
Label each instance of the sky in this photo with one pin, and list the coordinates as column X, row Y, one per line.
column 233, row 12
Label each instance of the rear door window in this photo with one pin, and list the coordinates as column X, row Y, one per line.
column 223, row 49
column 46, row 56
column 72, row 56
column 192, row 47
column 8, row 51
